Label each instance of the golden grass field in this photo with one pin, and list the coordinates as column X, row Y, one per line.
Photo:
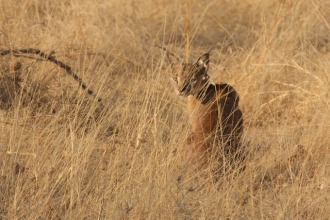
column 65, row 156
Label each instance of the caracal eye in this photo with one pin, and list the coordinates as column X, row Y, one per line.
column 193, row 80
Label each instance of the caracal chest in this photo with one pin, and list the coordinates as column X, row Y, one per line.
column 203, row 117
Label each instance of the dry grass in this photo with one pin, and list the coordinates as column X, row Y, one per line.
column 63, row 156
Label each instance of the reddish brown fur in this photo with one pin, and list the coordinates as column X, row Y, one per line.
column 215, row 117
column 219, row 121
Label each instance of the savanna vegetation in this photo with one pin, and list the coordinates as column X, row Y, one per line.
column 64, row 155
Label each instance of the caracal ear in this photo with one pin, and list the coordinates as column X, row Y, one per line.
column 204, row 60
column 172, row 58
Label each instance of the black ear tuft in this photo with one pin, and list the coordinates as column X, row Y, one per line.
column 204, row 60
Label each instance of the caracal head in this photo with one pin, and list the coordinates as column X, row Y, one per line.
column 189, row 78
